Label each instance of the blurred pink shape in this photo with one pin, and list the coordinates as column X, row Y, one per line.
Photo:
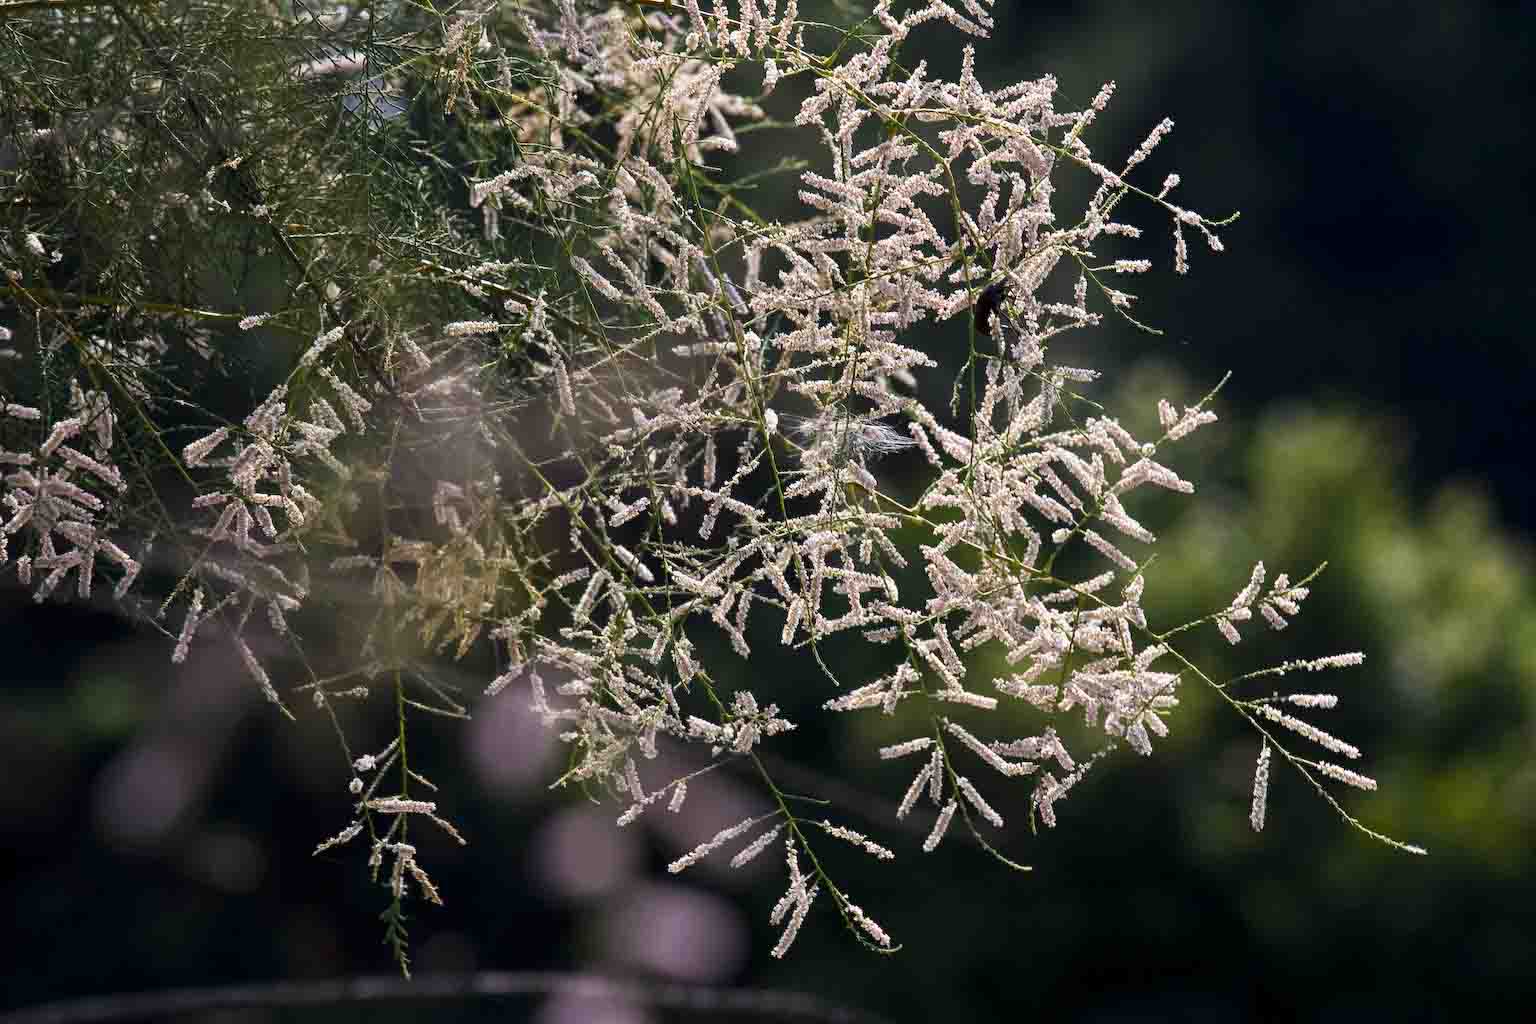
column 508, row 746
column 565, row 1009
column 578, row 854
column 677, row 931
column 144, row 792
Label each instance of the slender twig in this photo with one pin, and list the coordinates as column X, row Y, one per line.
column 774, row 1004
column 9, row 7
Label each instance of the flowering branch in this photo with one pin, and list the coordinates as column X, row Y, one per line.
column 562, row 393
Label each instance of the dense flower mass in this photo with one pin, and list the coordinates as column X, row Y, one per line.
column 605, row 417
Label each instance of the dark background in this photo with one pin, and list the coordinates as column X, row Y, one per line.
column 157, row 820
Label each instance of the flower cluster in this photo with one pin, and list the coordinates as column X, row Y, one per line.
column 63, row 501
column 681, row 427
